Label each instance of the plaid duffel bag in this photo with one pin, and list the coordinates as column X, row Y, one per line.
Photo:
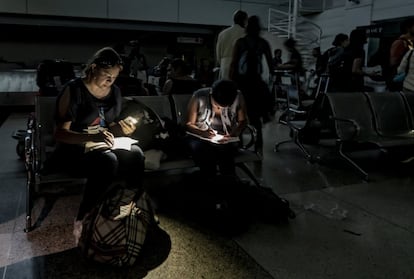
column 115, row 231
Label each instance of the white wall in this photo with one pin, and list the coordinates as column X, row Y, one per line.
column 147, row 10
column 345, row 19
column 211, row 12
column 13, row 6
column 34, row 52
column 342, row 20
column 388, row 9
column 199, row 12
column 78, row 8
column 208, row 12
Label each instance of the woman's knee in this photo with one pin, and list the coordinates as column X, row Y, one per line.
column 103, row 162
column 132, row 159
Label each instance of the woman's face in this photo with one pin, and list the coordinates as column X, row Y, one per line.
column 105, row 77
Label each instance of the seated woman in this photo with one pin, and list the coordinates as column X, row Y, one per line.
column 87, row 117
column 179, row 80
column 216, row 111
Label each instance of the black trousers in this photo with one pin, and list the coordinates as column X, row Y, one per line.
column 208, row 156
column 102, row 168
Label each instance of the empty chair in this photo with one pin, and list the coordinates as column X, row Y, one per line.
column 355, row 129
column 297, row 111
column 391, row 115
column 409, row 99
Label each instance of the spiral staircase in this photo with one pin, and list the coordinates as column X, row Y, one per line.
column 288, row 21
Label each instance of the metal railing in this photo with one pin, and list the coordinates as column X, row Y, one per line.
column 287, row 23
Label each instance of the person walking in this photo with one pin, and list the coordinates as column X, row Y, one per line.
column 246, row 70
column 226, row 40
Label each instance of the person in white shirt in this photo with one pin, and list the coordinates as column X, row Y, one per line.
column 226, row 40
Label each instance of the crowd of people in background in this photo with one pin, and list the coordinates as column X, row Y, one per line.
column 242, row 55
column 345, row 61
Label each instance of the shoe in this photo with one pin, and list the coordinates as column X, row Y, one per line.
column 77, row 231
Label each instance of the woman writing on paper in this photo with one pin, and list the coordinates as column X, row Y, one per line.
column 216, row 117
column 87, row 126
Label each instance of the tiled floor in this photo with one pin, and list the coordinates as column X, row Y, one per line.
column 345, row 227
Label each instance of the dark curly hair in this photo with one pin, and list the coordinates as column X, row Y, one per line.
column 224, row 92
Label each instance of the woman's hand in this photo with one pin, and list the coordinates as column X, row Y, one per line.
column 104, row 136
column 209, row 133
column 224, row 139
column 127, row 127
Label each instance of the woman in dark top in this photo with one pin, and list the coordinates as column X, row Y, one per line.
column 354, row 62
column 86, row 124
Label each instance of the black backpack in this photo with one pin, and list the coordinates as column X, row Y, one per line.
column 250, row 61
column 336, row 61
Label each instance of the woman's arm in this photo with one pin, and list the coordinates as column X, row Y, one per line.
column 403, row 65
column 192, row 118
column 398, row 47
column 357, row 68
column 64, row 134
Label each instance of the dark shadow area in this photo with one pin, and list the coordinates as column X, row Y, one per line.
column 50, row 194
column 68, row 264
column 6, row 111
column 378, row 163
column 218, row 206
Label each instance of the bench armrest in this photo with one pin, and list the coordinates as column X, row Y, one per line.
column 343, row 133
column 248, row 137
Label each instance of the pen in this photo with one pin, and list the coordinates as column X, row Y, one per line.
column 210, row 128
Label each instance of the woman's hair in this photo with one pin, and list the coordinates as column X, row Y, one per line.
column 357, row 38
column 253, row 26
column 224, row 92
column 406, row 24
column 104, row 58
column 339, row 39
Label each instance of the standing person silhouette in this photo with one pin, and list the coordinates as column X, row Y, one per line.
column 226, row 40
column 247, row 73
